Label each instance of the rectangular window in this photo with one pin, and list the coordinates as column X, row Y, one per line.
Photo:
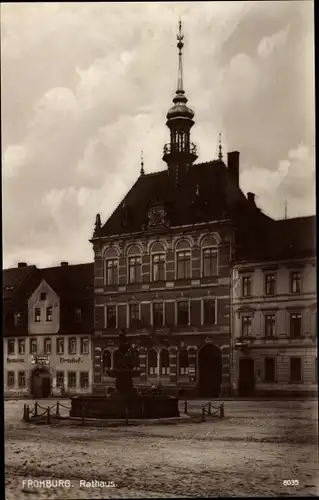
column 295, row 325
column 49, row 313
column 43, row 296
column 17, row 318
column 112, row 272
column 84, row 345
column 60, row 346
column 270, row 325
column 246, row 286
column 21, row 379
column 21, row 346
column 158, row 314
column 134, row 315
column 10, row 379
column 11, row 346
column 295, row 370
column 270, row 370
column 134, row 269
column 33, row 346
column 246, row 326
column 182, row 313
column 209, row 262
column 183, row 265
column 72, row 345
column 78, row 315
column 37, row 314
column 295, row 280
column 209, row 311
column 71, row 380
column 59, row 379
column 84, row 380
column 111, row 316
column 158, row 267
column 270, row 284
column 47, row 346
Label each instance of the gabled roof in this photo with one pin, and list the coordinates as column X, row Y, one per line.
column 16, row 278
column 71, row 282
column 206, row 192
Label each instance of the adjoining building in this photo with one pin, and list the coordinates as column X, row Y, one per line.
column 163, row 265
column 48, row 318
column 275, row 312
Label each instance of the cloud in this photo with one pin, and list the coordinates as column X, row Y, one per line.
column 86, row 86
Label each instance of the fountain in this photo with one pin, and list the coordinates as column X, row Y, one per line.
column 124, row 402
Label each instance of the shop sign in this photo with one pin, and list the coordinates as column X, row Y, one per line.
column 15, row 360
column 40, row 359
column 71, row 360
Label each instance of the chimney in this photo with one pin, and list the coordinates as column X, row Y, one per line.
column 251, row 198
column 64, row 264
column 233, row 165
column 22, row 264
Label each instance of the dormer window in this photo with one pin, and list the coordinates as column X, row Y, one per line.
column 43, row 296
column 78, row 315
column 17, row 318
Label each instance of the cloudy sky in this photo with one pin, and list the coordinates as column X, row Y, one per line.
column 86, row 86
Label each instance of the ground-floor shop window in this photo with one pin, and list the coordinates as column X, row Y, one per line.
column 295, row 370
column 59, row 379
column 21, row 379
column 71, row 380
column 10, row 379
column 84, row 380
column 270, row 370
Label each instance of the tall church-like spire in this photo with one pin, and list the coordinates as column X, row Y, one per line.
column 220, row 148
column 179, row 152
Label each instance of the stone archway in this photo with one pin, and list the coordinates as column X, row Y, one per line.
column 40, row 383
column 209, row 371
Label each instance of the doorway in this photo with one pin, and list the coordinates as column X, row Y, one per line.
column 210, row 371
column 246, row 383
column 40, row 383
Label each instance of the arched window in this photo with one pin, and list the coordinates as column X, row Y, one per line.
column 134, row 264
column 209, row 257
column 152, row 362
column 106, row 361
column 111, row 267
column 164, row 362
column 158, row 262
column 183, row 361
column 183, row 260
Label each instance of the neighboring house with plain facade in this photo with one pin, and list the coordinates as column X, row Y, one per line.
column 47, row 329
column 275, row 312
column 163, row 266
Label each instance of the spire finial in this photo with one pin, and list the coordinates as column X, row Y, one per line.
column 180, row 45
column 142, row 171
column 220, row 148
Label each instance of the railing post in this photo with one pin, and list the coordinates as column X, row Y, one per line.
column 126, row 415
column 185, row 407
column 209, row 408
column 203, row 414
column 27, row 414
column 35, row 409
column 222, row 414
column 48, row 415
column 57, row 413
column 83, row 414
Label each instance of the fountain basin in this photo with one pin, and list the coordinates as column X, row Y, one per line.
column 124, row 406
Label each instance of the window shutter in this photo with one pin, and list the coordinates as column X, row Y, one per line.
column 99, row 317
column 121, row 311
column 146, row 314
column 195, row 312
column 169, row 313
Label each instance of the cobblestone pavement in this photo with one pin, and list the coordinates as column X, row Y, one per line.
column 252, row 451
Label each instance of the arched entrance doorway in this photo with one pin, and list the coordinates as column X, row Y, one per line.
column 40, row 383
column 210, row 371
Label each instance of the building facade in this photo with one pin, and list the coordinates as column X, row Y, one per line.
column 274, row 314
column 48, row 327
column 163, row 266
